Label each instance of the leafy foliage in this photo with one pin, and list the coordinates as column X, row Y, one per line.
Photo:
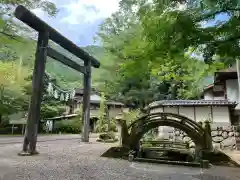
column 10, row 29
column 181, row 26
column 102, row 125
column 69, row 126
column 51, row 109
column 12, row 80
column 159, row 47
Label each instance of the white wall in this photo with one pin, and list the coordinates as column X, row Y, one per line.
column 95, row 97
column 219, row 98
column 155, row 110
column 202, row 113
column 208, row 95
column 187, row 112
column 221, row 115
column 171, row 110
column 232, row 90
column 217, row 114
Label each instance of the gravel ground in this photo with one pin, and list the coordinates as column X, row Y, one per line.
column 4, row 139
column 73, row 160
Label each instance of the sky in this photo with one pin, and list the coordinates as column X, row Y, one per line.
column 79, row 20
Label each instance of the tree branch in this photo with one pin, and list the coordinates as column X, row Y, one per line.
column 10, row 36
column 207, row 16
column 211, row 14
column 233, row 38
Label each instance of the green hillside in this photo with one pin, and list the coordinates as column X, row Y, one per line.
column 67, row 77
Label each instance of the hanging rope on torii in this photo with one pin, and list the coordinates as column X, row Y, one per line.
column 62, row 95
column 46, row 33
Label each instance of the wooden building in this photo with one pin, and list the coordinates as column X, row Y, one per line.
column 113, row 108
column 217, row 105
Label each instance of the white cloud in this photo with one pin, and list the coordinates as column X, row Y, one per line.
column 39, row 12
column 80, row 11
column 78, row 20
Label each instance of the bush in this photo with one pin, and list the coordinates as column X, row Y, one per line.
column 4, row 122
column 131, row 116
column 49, row 111
column 104, row 127
column 73, row 126
column 101, row 127
column 113, row 126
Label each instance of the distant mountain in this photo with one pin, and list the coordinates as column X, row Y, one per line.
column 67, row 77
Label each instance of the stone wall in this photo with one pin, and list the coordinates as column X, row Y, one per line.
column 224, row 136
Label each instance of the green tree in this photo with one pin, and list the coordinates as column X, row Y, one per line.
column 102, row 125
column 12, row 97
column 176, row 27
column 8, row 27
column 155, row 57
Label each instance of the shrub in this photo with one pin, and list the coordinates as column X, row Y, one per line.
column 69, row 126
column 113, row 126
column 101, row 127
column 49, row 111
column 131, row 116
column 104, row 127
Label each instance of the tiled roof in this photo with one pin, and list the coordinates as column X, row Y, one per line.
column 80, row 91
column 114, row 103
column 108, row 102
column 230, row 69
column 191, row 103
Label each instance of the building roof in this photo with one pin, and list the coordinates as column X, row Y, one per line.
column 20, row 121
column 114, row 103
column 191, row 103
column 94, row 101
column 95, row 98
column 230, row 69
column 228, row 73
column 61, row 117
column 79, row 91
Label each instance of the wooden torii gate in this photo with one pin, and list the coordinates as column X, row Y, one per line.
column 46, row 33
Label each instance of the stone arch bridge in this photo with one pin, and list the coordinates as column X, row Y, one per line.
column 132, row 134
